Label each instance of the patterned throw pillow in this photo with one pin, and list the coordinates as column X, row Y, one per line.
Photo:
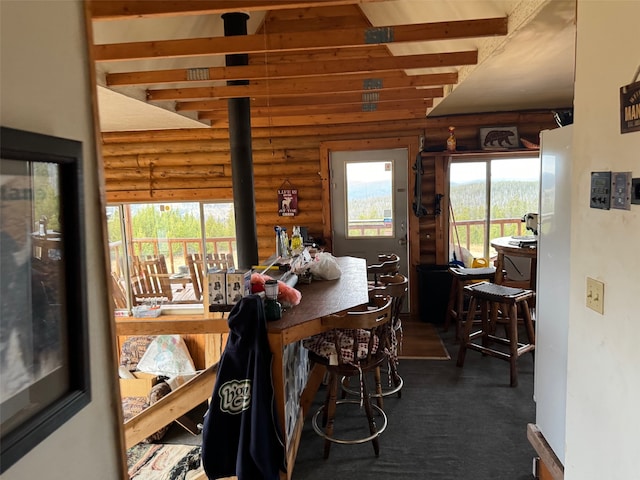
column 133, row 349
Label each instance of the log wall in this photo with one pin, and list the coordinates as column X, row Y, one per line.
column 195, row 165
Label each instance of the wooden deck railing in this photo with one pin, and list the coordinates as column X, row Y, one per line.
column 499, row 228
column 369, row 228
column 175, row 250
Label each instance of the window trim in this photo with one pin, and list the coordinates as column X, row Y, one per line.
column 485, row 157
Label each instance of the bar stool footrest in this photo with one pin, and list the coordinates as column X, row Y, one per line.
column 319, row 431
column 522, row 349
column 386, row 392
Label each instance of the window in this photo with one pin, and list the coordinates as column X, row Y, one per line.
column 488, row 198
column 161, row 252
column 369, row 192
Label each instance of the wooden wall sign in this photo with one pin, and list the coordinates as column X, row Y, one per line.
column 287, row 200
column 630, row 108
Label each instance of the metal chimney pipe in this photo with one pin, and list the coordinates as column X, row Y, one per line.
column 241, row 153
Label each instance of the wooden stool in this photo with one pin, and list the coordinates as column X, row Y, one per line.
column 389, row 264
column 462, row 277
column 395, row 286
column 356, row 343
column 494, row 299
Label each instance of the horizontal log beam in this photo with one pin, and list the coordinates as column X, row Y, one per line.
column 293, row 70
column 535, row 119
column 302, row 88
column 334, row 119
column 267, row 112
column 348, row 37
column 185, row 195
column 198, row 159
column 348, row 98
column 113, row 10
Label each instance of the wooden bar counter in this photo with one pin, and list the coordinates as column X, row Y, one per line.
column 319, row 299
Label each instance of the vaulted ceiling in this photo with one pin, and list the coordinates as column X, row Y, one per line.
column 161, row 64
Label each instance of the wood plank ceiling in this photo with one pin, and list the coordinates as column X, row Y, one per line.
column 310, row 62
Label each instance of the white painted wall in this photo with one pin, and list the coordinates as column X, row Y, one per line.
column 45, row 88
column 603, row 381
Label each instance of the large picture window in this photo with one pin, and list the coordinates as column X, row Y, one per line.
column 489, row 196
column 160, row 252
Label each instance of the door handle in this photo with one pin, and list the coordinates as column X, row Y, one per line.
column 403, row 240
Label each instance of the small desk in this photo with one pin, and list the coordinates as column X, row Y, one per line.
column 503, row 248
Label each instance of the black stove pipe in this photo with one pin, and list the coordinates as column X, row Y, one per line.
column 241, row 153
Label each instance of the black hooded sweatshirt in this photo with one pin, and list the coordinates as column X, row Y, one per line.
column 241, row 433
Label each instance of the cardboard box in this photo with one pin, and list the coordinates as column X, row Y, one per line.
column 139, row 386
column 217, row 288
column 238, row 285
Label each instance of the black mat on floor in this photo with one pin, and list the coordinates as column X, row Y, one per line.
column 450, row 424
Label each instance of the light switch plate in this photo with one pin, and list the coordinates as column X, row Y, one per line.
column 621, row 190
column 595, row 295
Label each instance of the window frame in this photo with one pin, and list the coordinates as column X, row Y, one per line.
column 124, row 270
column 485, row 158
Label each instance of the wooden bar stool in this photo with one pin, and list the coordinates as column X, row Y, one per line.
column 396, row 287
column 462, row 277
column 498, row 304
column 355, row 343
column 388, row 264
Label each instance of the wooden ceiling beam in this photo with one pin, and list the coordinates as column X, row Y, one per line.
column 115, row 10
column 329, row 119
column 271, row 42
column 269, row 111
column 291, row 70
column 384, row 96
column 320, row 55
column 302, row 88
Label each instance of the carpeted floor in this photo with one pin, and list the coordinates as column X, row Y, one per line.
column 450, row 424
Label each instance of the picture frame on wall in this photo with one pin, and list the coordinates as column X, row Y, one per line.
column 499, row 138
column 44, row 353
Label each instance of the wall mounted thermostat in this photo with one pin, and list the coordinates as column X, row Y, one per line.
column 600, row 190
column 621, row 190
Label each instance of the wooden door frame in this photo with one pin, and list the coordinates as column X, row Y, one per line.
column 411, row 143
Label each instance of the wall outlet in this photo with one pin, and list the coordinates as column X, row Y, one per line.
column 595, row 295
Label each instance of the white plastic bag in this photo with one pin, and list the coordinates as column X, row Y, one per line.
column 325, row 267
column 167, row 355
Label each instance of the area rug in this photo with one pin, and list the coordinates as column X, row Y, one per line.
column 420, row 340
column 162, row 462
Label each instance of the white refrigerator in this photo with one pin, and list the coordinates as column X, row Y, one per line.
column 552, row 289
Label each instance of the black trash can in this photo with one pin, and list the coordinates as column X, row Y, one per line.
column 434, row 284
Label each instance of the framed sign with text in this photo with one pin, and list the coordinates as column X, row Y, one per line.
column 630, row 108
column 287, row 200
